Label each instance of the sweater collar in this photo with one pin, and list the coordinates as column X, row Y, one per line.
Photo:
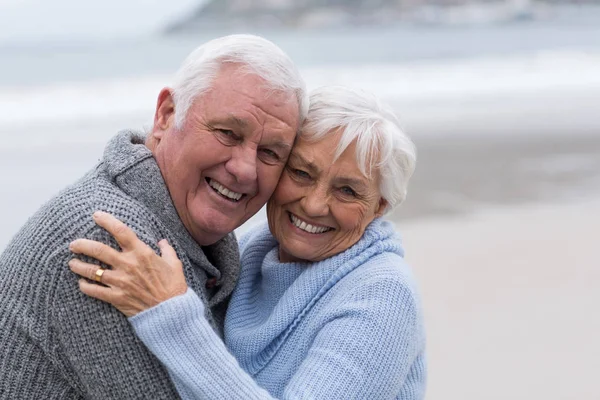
column 273, row 297
column 131, row 165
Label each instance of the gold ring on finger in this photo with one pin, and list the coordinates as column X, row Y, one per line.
column 98, row 274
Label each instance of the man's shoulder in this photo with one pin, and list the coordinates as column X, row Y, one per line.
column 68, row 215
column 74, row 205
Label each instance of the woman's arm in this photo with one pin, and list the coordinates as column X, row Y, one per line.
column 196, row 358
column 366, row 352
column 166, row 315
column 139, row 279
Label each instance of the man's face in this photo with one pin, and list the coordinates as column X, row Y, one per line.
column 224, row 163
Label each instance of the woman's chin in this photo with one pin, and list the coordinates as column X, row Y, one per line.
column 297, row 255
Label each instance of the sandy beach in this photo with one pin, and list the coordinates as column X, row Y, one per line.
column 509, row 297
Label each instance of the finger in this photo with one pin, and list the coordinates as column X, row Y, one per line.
column 103, row 293
column 86, row 270
column 126, row 238
column 168, row 253
column 97, row 250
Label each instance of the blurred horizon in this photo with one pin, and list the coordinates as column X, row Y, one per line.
column 64, row 22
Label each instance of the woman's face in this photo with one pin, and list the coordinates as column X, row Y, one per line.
column 320, row 207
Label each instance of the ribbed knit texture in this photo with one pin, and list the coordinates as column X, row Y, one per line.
column 57, row 343
column 349, row 327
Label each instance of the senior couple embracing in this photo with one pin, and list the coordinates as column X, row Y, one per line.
column 130, row 283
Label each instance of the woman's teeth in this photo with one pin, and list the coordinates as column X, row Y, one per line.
column 224, row 191
column 307, row 227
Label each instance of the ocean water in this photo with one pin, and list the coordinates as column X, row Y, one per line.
column 61, row 101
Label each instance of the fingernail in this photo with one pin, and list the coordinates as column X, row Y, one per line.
column 97, row 214
column 71, row 245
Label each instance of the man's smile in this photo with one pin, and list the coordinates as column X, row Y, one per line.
column 223, row 191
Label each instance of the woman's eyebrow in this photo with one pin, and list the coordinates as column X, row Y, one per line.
column 356, row 183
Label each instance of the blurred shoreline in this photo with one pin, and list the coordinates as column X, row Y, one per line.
column 462, row 175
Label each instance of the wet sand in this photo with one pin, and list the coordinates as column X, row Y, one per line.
column 463, row 174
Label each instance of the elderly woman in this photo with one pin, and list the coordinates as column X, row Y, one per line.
column 325, row 306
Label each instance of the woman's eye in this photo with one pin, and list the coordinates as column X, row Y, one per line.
column 347, row 190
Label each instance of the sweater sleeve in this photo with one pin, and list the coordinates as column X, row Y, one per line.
column 197, row 360
column 365, row 352
column 96, row 346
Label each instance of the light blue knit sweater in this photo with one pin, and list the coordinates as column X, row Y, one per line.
column 349, row 327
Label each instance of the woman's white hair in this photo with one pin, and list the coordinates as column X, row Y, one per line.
column 255, row 54
column 381, row 145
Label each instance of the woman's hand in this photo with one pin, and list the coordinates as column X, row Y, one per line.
column 139, row 280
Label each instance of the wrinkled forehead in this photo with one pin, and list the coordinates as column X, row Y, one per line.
column 242, row 83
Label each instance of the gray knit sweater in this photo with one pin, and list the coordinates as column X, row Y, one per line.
column 55, row 342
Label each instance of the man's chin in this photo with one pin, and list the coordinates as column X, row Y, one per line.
column 208, row 238
column 210, row 230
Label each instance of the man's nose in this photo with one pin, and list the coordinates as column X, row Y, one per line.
column 316, row 202
column 242, row 165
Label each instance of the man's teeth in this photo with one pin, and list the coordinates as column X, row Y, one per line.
column 224, row 191
column 307, row 227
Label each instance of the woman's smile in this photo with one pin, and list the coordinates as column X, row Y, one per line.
column 308, row 227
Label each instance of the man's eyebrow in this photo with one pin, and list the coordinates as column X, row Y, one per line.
column 231, row 120
column 283, row 146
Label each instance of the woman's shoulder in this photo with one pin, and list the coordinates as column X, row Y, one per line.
column 386, row 274
column 385, row 267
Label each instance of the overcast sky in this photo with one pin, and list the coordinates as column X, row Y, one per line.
column 34, row 20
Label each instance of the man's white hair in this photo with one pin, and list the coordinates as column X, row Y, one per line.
column 381, row 145
column 255, row 55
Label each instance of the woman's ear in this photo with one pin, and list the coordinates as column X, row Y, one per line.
column 381, row 207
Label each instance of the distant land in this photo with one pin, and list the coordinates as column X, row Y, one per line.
column 268, row 14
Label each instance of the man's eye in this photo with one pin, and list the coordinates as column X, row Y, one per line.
column 301, row 174
column 347, row 190
column 227, row 132
column 270, row 157
column 227, row 137
column 270, row 154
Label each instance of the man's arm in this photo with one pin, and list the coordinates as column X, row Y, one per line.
column 96, row 344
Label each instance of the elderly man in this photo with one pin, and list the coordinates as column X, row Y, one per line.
column 220, row 140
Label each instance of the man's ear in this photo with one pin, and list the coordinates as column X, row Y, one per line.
column 381, row 207
column 164, row 116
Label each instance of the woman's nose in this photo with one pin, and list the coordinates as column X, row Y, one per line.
column 315, row 203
